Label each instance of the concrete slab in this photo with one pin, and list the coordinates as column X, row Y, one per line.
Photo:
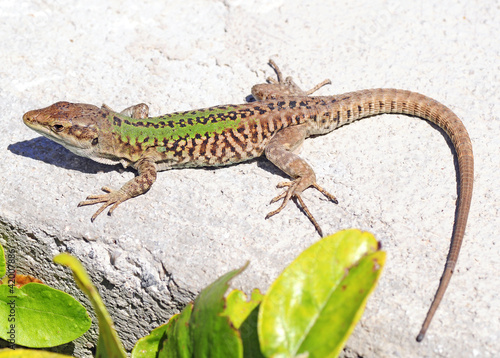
column 393, row 175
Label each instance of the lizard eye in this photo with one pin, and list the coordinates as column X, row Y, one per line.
column 95, row 141
column 57, row 127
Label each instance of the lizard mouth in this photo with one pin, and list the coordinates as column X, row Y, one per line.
column 35, row 121
column 32, row 120
column 42, row 123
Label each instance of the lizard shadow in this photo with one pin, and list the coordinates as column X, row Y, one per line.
column 49, row 152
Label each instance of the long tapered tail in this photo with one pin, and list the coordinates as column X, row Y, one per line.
column 360, row 104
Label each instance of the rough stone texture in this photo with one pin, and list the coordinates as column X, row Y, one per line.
column 393, row 175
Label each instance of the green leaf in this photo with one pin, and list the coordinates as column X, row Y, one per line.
column 243, row 314
column 212, row 334
column 38, row 316
column 344, row 308
column 3, row 264
column 202, row 329
column 315, row 303
column 28, row 353
column 249, row 335
column 148, row 346
column 176, row 342
column 109, row 345
column 168, row 340
column 237, row 306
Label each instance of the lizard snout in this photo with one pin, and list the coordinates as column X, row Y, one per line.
column 29, row 118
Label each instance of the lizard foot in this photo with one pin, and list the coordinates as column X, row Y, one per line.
column 114, row 198
column 292, row 192
column 282, row 88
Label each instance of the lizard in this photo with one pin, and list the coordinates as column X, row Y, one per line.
column 275, row 125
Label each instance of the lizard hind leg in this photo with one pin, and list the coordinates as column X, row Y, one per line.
column 282, row 88
column 280, row 152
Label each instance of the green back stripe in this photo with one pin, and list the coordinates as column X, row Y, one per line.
column 175, row 126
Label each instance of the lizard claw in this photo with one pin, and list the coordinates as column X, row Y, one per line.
column 282, row 87
column 286, row 195
column 292, row 192
column 113, row 199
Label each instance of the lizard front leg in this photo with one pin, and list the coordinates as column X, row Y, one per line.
column 135, row 187
column 280, row 152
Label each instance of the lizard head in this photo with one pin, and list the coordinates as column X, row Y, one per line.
column 73, row 125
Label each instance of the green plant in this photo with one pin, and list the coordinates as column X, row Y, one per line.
column 310, row 310
column 35, row 315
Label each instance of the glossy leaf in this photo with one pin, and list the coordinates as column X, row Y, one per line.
column 3, row 264
column 109, row 345
column 243, row 314
column 344, row 308
column 202, row 329
column 168, row 340
column 212, row 334
column 148, row 346
column 176, row 342
column 40, row 316
column 237, row 306
column 249, row 335
column 314, row 304
column 29, row 353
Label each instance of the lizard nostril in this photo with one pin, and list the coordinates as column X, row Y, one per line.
column 27, row 117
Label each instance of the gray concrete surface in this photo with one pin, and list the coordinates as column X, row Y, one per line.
column 393, row 175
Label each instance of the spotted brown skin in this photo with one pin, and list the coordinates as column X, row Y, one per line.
column 281, row 119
